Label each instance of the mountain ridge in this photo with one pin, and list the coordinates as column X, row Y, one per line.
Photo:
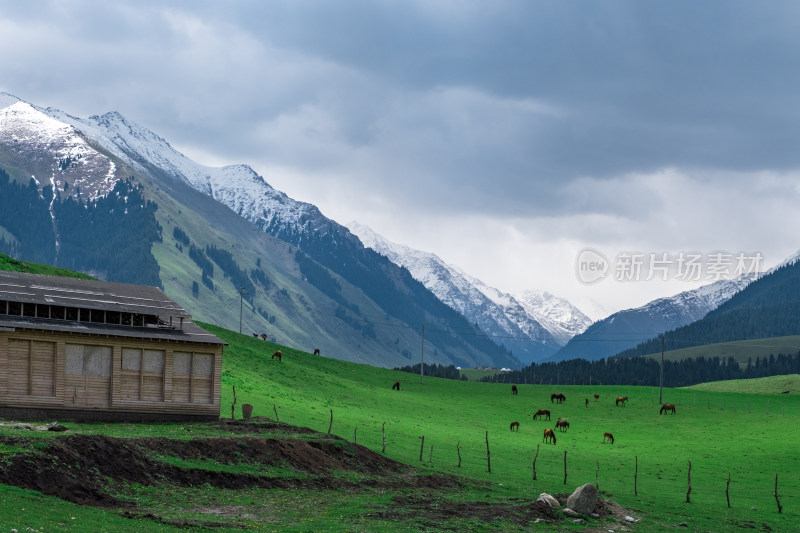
column 516, row 324
column 335, row 294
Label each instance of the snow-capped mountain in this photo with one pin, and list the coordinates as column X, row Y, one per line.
column 532, row 327
column 558, row 315
column 312, row 283
column 73, row 161
column 627, row 328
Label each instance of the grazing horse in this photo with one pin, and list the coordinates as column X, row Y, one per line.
column 587, row 402
column 558, row 398
column 264, row 336
column 608, row 436
column 621, row 400
column 514, row 426
column 316, row 351
column 542, row 413
column 562, row 424
column 396, row 385
column 277, row 354
column 548, row 434
column 255, row 335
column 596, row 397
column 667, row 407
column 514, row 390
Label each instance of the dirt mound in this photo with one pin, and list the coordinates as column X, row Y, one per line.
column 80, row 468
column 96, row 470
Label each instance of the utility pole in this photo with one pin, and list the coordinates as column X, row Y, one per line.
column 422, row 357
column 661, row 374
column 242, row 292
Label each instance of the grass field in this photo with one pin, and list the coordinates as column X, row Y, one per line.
column 749, row 436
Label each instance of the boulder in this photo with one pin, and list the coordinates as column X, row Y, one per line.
column 583, row 499
column 549, row 500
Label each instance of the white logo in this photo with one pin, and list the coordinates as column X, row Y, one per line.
column 591, row 266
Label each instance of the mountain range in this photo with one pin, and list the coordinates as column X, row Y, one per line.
column 108, row 197
column 627, row 328
column 532, row 325
column 767, row 307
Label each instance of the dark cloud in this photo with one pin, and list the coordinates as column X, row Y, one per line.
column 509, row 110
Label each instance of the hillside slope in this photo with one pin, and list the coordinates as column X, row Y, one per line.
column 768, row 307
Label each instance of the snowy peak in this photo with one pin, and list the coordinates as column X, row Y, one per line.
column 60, row 153
column 558, row 315
column 499, row 314
column 237, row 186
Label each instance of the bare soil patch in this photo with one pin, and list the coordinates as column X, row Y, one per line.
column 91, row 469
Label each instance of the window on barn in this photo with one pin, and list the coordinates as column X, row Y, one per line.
column 143, row 374
column 193, row 377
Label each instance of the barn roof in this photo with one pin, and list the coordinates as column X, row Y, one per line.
column 157, row 316
column 91, row 294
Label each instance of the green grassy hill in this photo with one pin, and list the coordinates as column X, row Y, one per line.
column 750, row 436
column 789, row 384
column 458, row 417
column 741, row 351
column 9, row 263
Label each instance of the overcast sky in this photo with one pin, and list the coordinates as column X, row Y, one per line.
column 504, row 136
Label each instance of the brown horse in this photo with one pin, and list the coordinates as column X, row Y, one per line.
column 277, row 355
column 558, row 398
column 562, row 424
column 596, row 397
column 621, row 400
column 396, row 385
column 514, row 426
column 548, row 434
column 542, row 413
column 263, row 336
column 608, row 436
column 316, row 351
column 514, row 390
column 667, row 407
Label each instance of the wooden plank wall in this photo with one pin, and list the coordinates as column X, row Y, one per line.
column 77, row 371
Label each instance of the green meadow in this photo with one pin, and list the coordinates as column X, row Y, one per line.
column 749, row 436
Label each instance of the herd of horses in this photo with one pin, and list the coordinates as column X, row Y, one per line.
column 562, row 424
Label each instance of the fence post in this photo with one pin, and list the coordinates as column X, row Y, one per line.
column 488, row 454
column 383, row 450
column 534, row 462
column 330, row 426
column 233, row 405
column 421, row 447
column 596, row 475
column 636, row 476
column 565, row 467
column 727, row 490
column 275, row 408
column 458, row 449
column 689, row 478
column 780, row 507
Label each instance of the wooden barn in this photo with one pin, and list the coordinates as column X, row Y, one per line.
column 74, row 349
